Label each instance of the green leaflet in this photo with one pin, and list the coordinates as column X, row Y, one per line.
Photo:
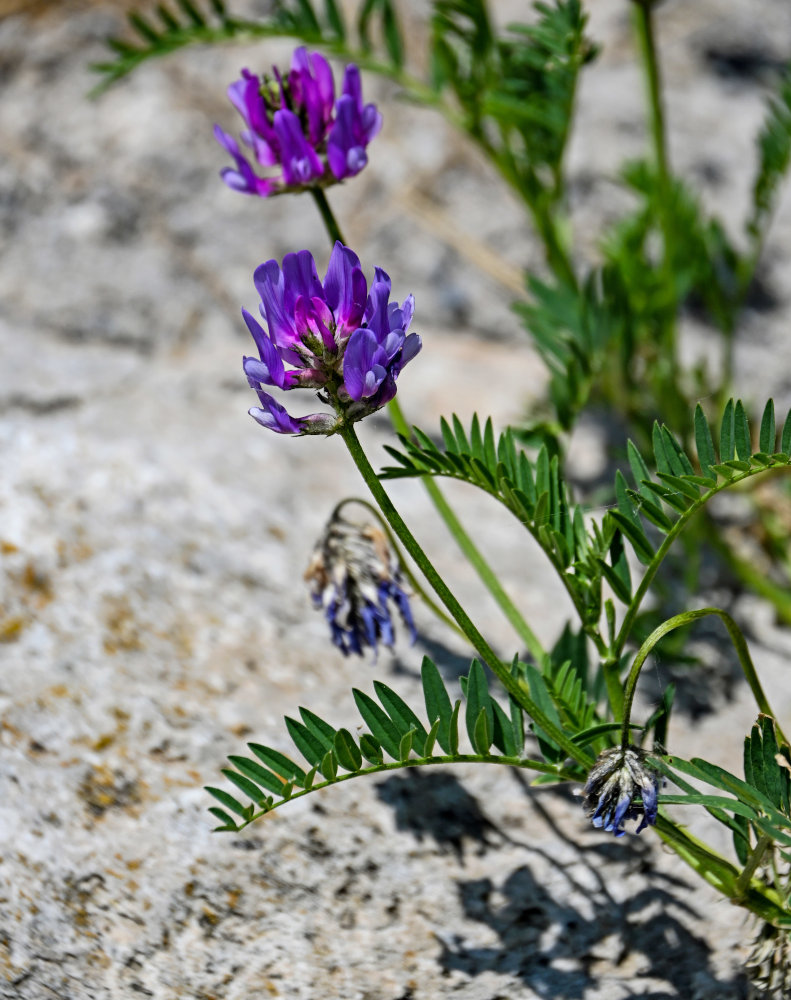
column 270, row 777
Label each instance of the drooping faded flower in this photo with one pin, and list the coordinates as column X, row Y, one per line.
column 619, row 775
column 334, row 336
column 353, row 577
column 296, row 130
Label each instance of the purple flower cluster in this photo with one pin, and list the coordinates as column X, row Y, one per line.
column 338, row 337
column 295, row 124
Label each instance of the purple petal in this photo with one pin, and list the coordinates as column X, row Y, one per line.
column 269, row 369
column 300, row 162
column 376, row 307
column 300, row 278
column 363, row 364
column 345, row 288
column 270, row 285
column 412, row 346
column 274, row 416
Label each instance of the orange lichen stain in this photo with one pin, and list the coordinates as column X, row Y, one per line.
column 234, row 896
column 8, row 548
column 11, row 628
column 100, row 959
column 37, row 582
column 102, row 789
column 123, row 633
column 11, row 729
column 107, row 739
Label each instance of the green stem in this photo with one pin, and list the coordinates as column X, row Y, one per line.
column 471, row 551
column 667, row 361
column 645, row 33
column 756, row 857
column 514, row 687
column 327, row 216
column 677, row 621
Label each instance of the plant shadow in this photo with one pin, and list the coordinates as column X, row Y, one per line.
column 561, row 921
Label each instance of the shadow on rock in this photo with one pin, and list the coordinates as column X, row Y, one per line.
column 436, row 806
column 563, row 927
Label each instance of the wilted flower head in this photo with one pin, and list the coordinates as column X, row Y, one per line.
column 353, row 575
column 618, row 775
column 297, row 129
column 338, row 337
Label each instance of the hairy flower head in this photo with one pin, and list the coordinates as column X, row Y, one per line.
column 619, row 775
column 354, row 577
column 296, row 130
column 336, row 336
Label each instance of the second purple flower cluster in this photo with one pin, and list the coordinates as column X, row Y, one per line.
column 296, row 127
column 338, row 337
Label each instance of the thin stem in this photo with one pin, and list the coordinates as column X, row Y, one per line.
column 667, row 360
column 471, row 551
column 677, row 621
column 327, row 216
column 514, row 687
column 755, row 858
column 645, row 33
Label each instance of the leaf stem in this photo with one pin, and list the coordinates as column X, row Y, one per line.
column 677, row 621
column 755, row 858
column 460, row 758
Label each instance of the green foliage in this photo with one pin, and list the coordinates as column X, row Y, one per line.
column 664, row 502
column 760, row 799
column 533, row 490
column 176, row 24
column 774, row 150
column 516, row 91
column 496, row 734
column 576, row 329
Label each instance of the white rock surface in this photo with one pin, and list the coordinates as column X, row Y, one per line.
column 152, row 541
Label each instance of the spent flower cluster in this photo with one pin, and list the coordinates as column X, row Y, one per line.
column 353, row 577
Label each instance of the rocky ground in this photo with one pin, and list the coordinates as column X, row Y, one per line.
column 153, row 538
